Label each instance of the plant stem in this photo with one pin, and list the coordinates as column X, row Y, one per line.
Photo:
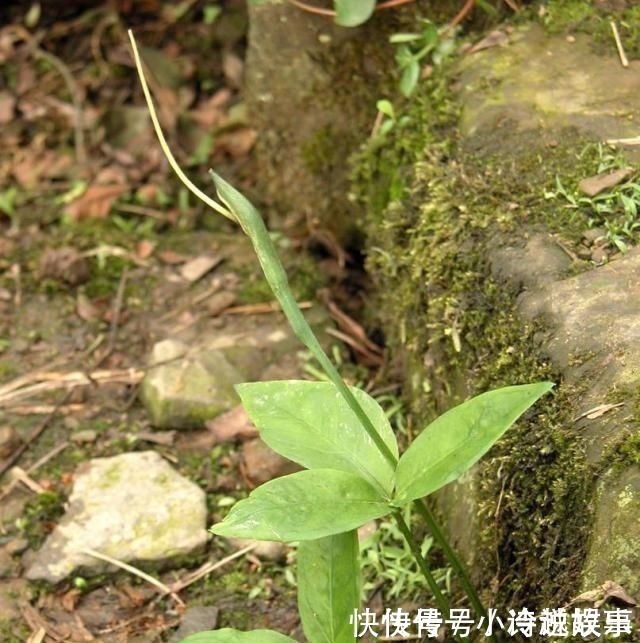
column 454, row 561
column 441, row 600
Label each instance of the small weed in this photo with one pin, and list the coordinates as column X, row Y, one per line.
column 616, row 210
column 387, row 561
column 40, row 514
column 414, row 48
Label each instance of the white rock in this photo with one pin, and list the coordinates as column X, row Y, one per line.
column 132, row 507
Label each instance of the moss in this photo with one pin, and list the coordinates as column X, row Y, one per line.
column 13, row 632
column 576, row 16
column 40, row 515
column 324, row 150
column 433, row 216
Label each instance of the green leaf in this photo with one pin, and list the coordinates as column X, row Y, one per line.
column 459, row 438
column 430, row 35
column 329, row 587
column 409, row 78
column 227, row 635
column 404, row 56
column 351, row 13
column 311, row 424
column 398, row 38
column 304, row 506
column 386, row 107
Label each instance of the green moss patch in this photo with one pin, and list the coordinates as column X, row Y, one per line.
column 433, row 217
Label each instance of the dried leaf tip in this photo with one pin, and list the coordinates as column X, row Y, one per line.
column 166, row 150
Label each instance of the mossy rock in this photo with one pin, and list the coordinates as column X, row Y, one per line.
column 461, row 241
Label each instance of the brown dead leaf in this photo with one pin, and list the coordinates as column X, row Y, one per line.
column 64, row 264
column 593, row 185
column 219, row 302
column 165, row 438
column 145, row 249
column 7, row 107
column 86, row 310
column 496, row 38
column 70, row 599
column 237, row 142
column 32, row 164
column 231, row 426
column 211, row 112
column 616, row 591
column 112, row 174
column 599, row 596
column 233, row 69
column 95, row 203
column 197, row 268
column 259, row 463
column 598, row 411
column 171, row 258
column 147, row 193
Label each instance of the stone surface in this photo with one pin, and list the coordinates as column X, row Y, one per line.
column 594, row 332
column 187, row 388
column 196, row 371
column 264, row 549
column 310, row 86
column 260, row 464
column 132, row 507
column 513, row 89
column 196, row 619
column 541, row 260
column 579, row 323
column 615, row 549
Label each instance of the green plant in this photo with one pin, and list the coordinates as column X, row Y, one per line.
column 616, row 209
column 354, row 472
column 387, row 563
column 412, row 50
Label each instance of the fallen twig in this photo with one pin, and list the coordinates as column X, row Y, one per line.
column 51, row 381
column 623, row 141
column 257, row 309
column 136, row 572
column 207, row 568
column 621, row 53
column 43, row 409
column 116, row 310
column 20, row 475
column 17, row 454
column 36, row 465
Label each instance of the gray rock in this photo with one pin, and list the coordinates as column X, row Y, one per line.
column 615, row 549
column 519, row 85
column 187, row 388
column 132, row 507
column 196, row 619
column 541, row 260
column 264, row 549
column 85, row 436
